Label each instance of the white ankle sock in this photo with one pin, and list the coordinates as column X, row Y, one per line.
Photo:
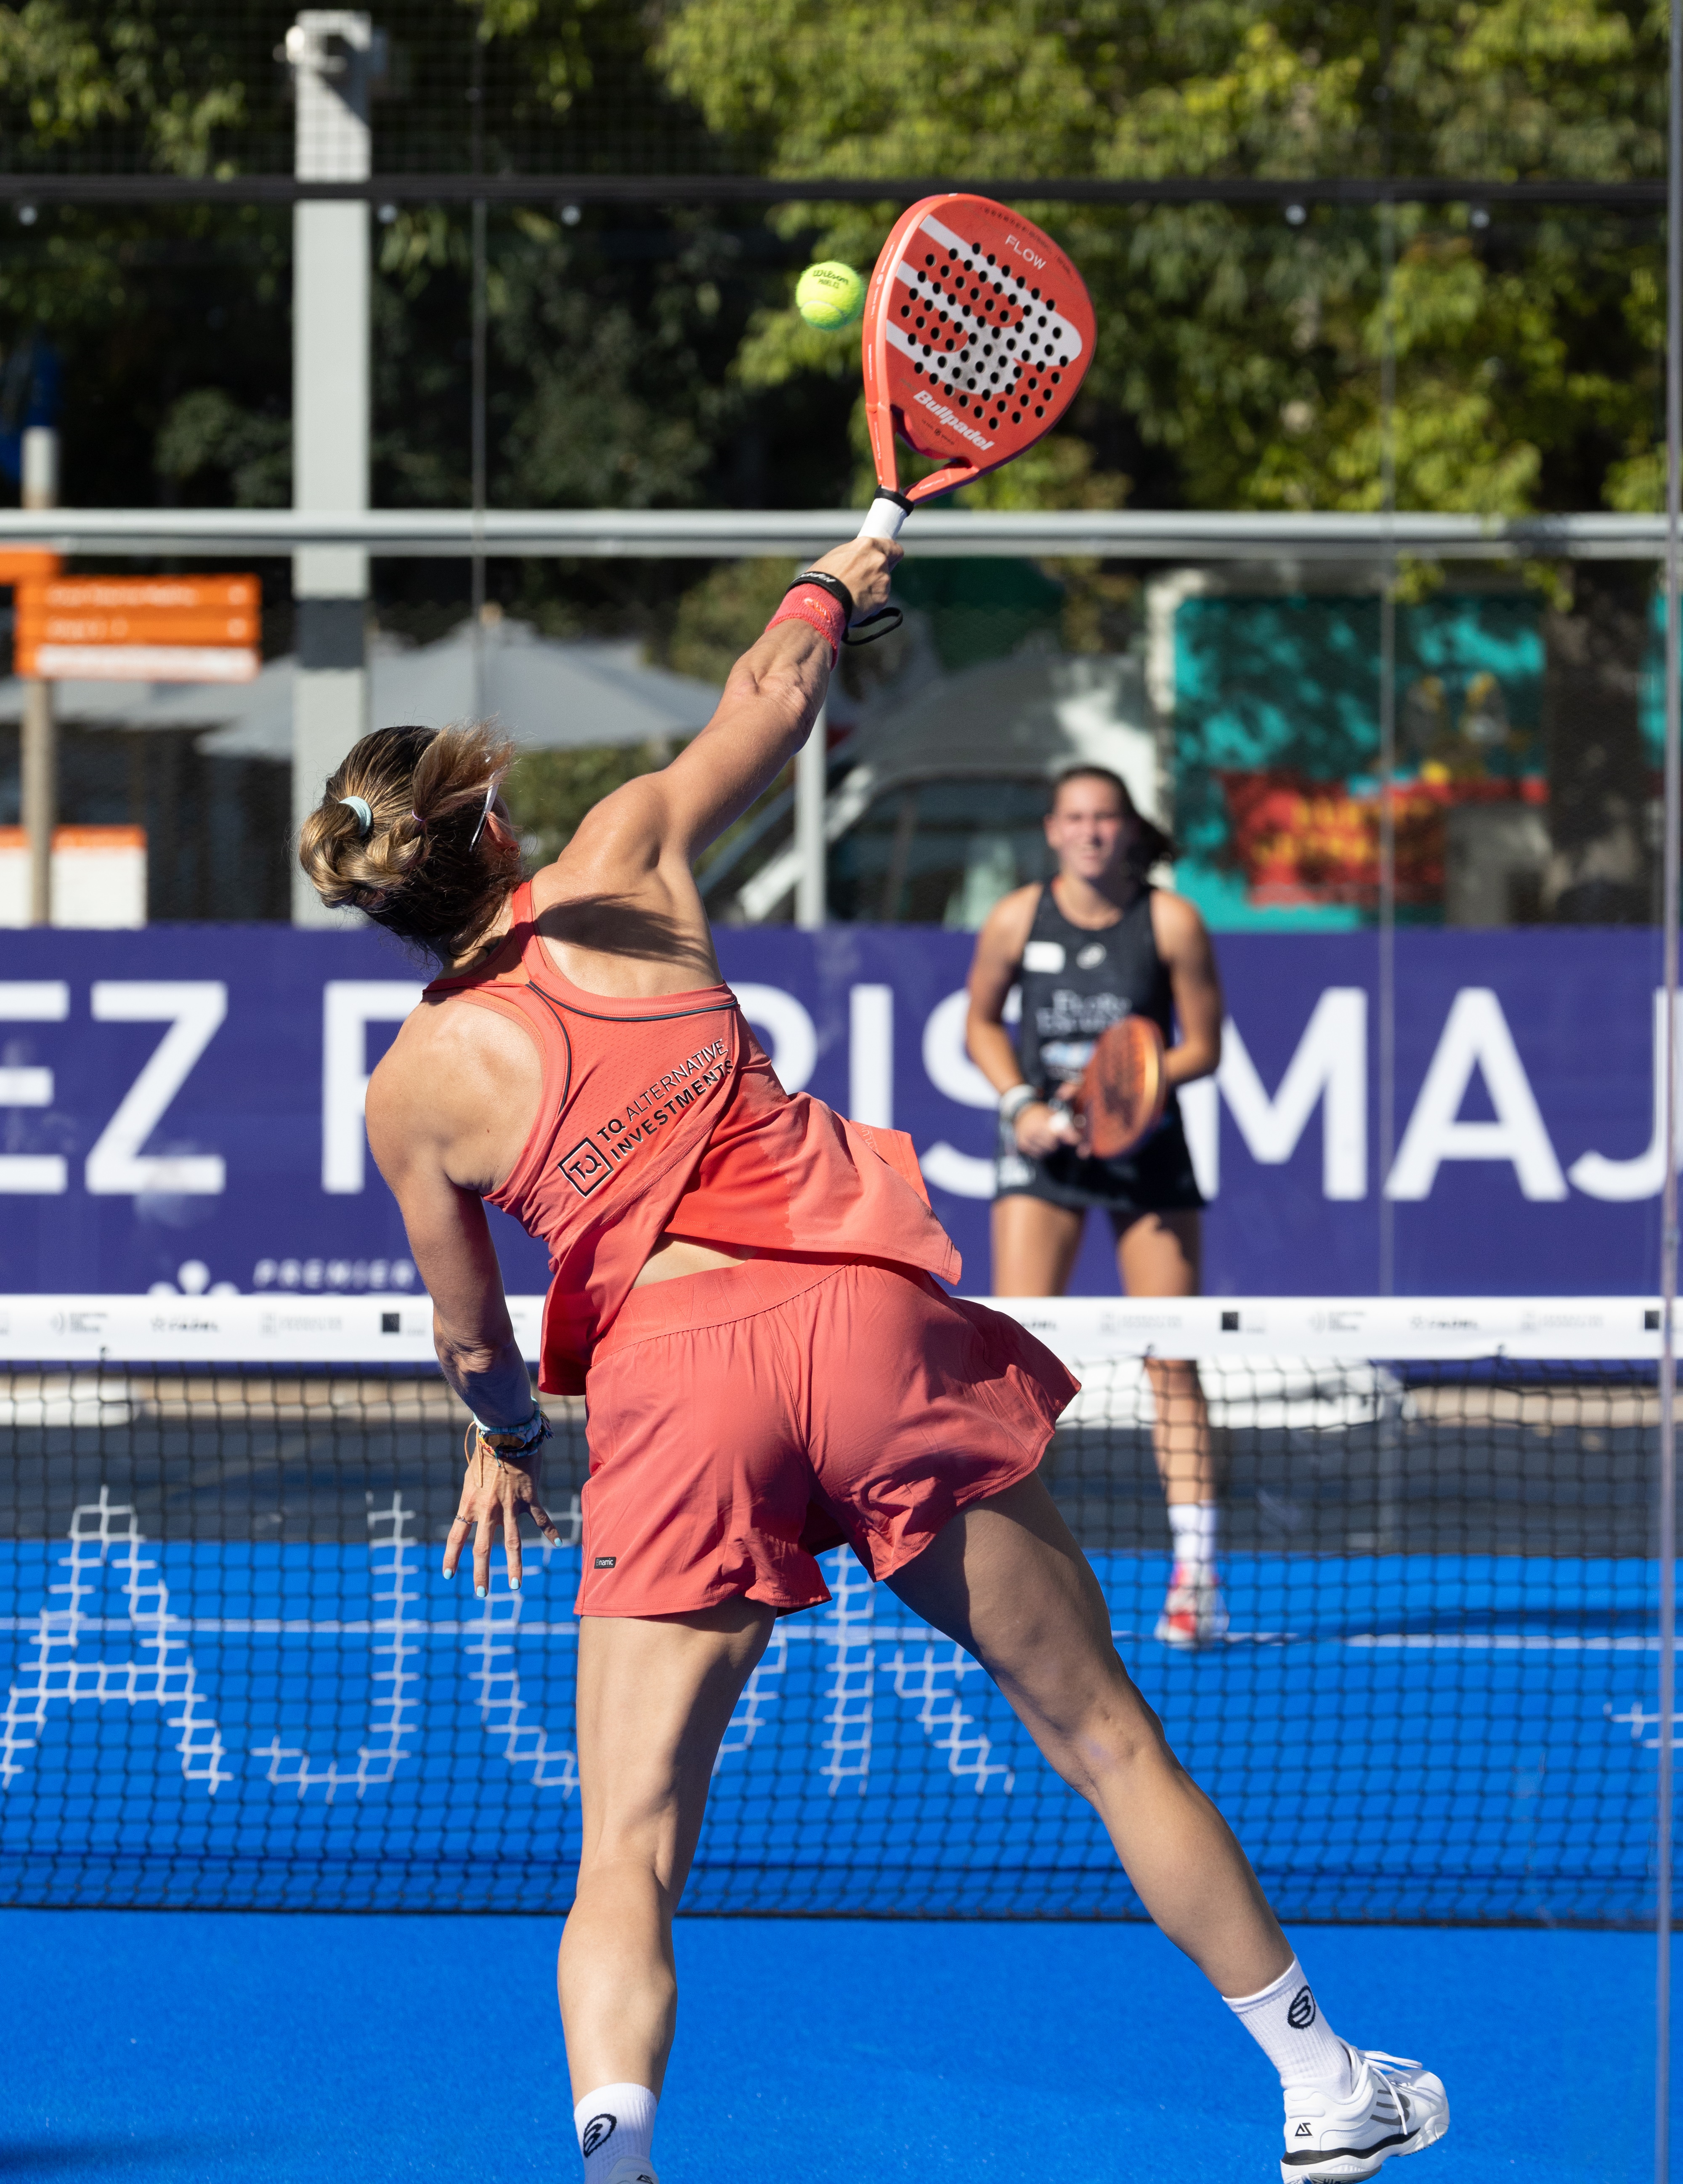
column 1288, row 2026
column 614, row 2124
column 1195, row 1525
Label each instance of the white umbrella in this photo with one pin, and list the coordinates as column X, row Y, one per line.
column 548, row 696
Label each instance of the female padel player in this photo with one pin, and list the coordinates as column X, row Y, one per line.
column 744, row 1285
column 1097, row 944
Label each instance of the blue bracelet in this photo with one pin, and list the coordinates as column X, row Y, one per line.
column 513, row 1440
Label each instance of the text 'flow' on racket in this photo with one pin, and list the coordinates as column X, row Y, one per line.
column 978, row 332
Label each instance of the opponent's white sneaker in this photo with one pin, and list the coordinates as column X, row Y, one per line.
column 1194, row 1612
column 1394, row 2107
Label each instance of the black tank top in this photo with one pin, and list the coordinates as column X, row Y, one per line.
column 1076, row 983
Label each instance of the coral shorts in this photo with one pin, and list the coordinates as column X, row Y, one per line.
column 742, row 1421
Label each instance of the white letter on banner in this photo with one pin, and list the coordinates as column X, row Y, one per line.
column 792, row 1036
column 1476, row 1037
column 871, row 1056
column 349, row 1006
column 1331, row 1062
column 193, row 1009
column 31, row 1000
column 1620, row 1181
column 947, row 1064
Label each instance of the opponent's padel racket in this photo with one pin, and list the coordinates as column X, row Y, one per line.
column 977, row 333
column 1123, row 1089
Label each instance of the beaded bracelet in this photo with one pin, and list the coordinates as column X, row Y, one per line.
column 514, row 1443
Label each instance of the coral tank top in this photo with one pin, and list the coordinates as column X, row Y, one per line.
column 662, row 1116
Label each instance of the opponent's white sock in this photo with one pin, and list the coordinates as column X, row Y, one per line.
column 614, row 2124
column 1194, row 1526
column 1286, row 2023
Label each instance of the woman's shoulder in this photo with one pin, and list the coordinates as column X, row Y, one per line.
column 1007, row 924
column 1174, row 917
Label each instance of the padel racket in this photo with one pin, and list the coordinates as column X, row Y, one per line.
column 1123, row 1089
column 977, row 333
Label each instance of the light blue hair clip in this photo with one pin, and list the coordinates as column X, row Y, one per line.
column 365, row 817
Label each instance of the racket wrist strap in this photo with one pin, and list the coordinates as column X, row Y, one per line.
column 1015, row 1098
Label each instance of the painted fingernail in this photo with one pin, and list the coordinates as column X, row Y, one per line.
column 515, row 1586
column 479, row 1592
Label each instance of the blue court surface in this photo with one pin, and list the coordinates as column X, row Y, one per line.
column 356, row 2049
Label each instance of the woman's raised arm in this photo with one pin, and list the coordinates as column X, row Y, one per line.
column 769, row 705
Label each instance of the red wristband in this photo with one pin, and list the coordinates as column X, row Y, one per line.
column 811, row 604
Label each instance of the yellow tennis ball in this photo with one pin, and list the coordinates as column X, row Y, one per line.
column 830, row 296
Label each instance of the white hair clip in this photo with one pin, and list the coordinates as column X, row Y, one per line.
column 491, row 788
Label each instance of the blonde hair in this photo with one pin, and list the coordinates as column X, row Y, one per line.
column 426, row 868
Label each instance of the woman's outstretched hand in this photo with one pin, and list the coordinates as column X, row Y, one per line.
column 493, row 1493
column 864, row 565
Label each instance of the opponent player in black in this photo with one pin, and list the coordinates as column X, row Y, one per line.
column 1094, row 944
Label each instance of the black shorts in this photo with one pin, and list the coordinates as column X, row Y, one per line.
column 1156, row 1178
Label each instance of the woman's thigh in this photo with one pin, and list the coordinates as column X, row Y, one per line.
column 654, row 1693
column 1006, row 1581
column 1035, row 1244
column 1159, row 1254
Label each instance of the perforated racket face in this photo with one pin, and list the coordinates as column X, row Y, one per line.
column 977, row 333
column 1123, row 1088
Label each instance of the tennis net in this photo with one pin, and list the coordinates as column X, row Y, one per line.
column 234, row 1676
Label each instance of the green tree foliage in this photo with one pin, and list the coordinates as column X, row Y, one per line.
column 1239, row 356
column 649, row 357
column 549, row 792
column 611, row 334
column 139, row 77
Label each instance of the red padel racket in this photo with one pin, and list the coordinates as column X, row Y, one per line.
column 1123, row 1089
column 977, row 333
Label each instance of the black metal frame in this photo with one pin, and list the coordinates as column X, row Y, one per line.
column 771, row 189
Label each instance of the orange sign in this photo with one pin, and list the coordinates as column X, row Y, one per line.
column 141, row 629
column 149, row 594
column 23, row 565
column 139, row 663
column 58, row 626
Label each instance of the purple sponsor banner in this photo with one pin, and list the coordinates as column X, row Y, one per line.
column 183, row 1106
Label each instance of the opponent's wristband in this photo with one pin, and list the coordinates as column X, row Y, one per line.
column 814, row 605
column 1015, row 1100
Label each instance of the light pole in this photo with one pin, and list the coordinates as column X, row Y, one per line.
column 335, row 55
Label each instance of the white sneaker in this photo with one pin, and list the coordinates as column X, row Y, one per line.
column 628, row 2170
column 1194, row 1612
column 1394, row 2107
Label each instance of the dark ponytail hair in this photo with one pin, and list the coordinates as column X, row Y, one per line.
column 425, row 866
column 1152, row 846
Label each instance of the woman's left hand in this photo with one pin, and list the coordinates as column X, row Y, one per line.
column 494, row 1492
